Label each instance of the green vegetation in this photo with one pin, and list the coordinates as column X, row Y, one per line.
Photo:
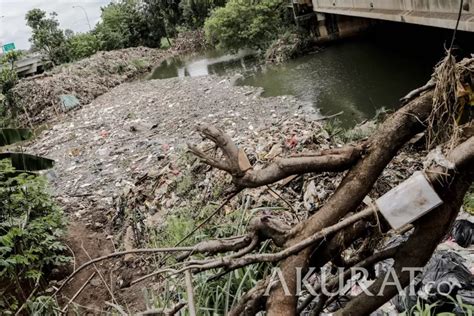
column 8, row 79
column 469, row 201
column 228, row 24
column 425, row 309
column 31, row 225
column 47, row 36
column 125, row 23
column 82, row 45
column 214, row 296
column 195, row 12
column 244, row 23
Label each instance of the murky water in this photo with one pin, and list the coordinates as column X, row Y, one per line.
column 356, row 77
column 209, row 63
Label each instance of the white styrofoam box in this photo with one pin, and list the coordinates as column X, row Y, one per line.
column 408, row 201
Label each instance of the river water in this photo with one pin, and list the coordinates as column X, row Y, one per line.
column 357, row 77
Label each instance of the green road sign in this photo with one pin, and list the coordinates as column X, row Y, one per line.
column 8, row 47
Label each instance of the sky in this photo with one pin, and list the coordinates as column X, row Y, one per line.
column 12, row 17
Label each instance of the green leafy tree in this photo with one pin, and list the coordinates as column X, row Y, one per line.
column 8, row 79
column 163, row 17
column 195, row 12
column 83, row 45
column 123, row 25
column 244, row 23
column 47, row 36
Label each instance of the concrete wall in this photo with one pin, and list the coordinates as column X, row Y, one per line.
column 330, row 26
column 28, row 66
column 437, row 13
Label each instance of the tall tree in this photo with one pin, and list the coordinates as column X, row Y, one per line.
column 195, row 12
column 163, row 17
column 47, row 36
column 124, row 24
column 245, row 23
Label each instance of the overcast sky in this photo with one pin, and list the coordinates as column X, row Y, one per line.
column 12, row 17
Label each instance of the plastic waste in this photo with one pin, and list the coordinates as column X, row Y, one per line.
column 463, row 232
column 69, row 102
column 444, row 281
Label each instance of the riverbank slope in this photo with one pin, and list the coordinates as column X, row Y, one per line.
column 38, row 97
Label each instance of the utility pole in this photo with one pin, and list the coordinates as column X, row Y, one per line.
column 85, row 13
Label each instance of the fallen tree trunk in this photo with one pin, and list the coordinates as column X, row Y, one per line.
column 383, row 146
column 429, row 230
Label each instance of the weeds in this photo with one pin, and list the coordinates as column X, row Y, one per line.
column 426, row 309
column 31, row 228
column 140, row 64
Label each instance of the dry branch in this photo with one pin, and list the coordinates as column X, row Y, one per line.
column 243, row 176
column 253, row 301
column 164, row 312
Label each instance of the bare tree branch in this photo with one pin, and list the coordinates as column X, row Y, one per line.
column 236, row 161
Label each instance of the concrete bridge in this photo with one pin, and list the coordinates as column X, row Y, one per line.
column 349, row 16
column 30, row 65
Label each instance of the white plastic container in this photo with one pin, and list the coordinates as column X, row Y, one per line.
column 408, row 201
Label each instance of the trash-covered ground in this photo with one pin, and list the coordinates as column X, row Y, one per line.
column 86, row 79
column 102, row 148
column 188, row 42
column 122, row 172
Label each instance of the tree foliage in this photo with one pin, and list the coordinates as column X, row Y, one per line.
column 83, row 45
column 47, row 36
column 243, row 23
column 195, row 12
column 8, row 79
column 123, row 25
column 31, row 228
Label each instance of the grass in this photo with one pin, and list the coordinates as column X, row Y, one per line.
column 469, row 201
column 425, row 309
column 140, row 64
column 164, row 44
column 213, row 296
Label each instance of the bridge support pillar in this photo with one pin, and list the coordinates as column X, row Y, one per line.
column 331, row 26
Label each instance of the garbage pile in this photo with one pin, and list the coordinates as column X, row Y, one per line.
column 189, row 42
column 181, row 180
column 445, row 283
column 39, row 96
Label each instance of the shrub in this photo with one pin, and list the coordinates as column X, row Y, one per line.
column 242, row 23
column 83, row 45
column 31, row 228
column 8, row 79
